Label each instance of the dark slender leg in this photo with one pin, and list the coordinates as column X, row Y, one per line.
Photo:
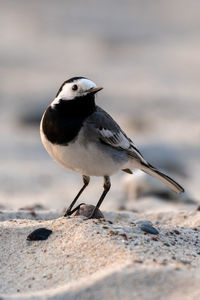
column 86, row 180
column 106, row 187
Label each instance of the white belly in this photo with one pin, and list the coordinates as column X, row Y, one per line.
column 88, row 160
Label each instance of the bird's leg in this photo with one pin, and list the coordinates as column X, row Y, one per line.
column 106, row 187
column 86, row 180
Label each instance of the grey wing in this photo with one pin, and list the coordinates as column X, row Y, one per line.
column 106, row 130
column 109, row 132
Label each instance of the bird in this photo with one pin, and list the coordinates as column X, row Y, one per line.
column 82, row 137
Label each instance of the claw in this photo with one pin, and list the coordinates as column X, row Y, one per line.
column 67, row 214
column 70, row 212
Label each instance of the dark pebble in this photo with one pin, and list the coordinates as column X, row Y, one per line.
column 124, row 236
column 166, row 244
column 110, row 222
column 149, row 229
column 138, row 261
column 185, row 262
column 39, row 234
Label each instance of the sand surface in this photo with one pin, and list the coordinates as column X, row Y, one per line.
column 98, row 259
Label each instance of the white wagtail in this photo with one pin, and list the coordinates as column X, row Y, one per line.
column 84, row 138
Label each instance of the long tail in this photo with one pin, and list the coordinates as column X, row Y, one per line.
column 173, row 185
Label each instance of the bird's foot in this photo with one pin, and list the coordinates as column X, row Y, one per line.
column 70, row 212
column 67, row 214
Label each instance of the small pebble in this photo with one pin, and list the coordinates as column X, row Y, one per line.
column 138, row 261
column 105, row 227
column 86, row 210
column 39, row 234
column 124, row 236
column 110, row 222
column 144, row 222
column 149, row 229
column 185, row 262
column 117, row 227
column 195, row 229
column 176, row 231
column 164, row 262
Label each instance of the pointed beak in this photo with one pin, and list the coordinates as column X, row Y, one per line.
column 94, row 90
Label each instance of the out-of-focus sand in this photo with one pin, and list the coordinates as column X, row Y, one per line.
column 146, row 56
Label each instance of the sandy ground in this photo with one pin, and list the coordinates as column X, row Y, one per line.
column 146, row 56
column 98, row 259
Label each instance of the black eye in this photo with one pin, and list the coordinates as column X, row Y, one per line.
column 75, row 87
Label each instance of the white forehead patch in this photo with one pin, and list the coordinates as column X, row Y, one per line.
column 86, row 84
column 68, row 94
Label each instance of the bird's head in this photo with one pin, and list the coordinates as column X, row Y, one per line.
column 75, row 88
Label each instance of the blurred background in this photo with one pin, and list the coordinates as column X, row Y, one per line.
column 146, row 55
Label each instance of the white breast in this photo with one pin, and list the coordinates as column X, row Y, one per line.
column 86, row 159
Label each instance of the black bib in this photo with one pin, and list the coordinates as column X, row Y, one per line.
column 62, row 123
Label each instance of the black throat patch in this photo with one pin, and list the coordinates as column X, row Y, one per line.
column 62, row 123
